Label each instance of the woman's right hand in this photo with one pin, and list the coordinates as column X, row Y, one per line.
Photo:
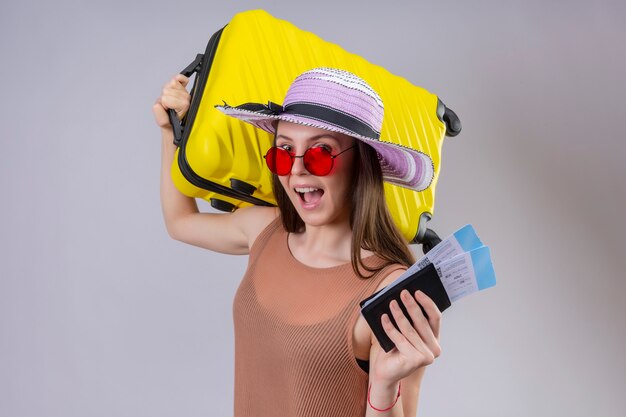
column 173, row 96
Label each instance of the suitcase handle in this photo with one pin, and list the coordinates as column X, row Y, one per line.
column 178, row 125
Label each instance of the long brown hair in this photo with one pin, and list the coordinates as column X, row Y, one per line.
column 372, row 227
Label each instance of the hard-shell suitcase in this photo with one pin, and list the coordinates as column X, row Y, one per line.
column 254, row 58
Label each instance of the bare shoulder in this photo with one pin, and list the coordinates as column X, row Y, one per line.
column 391, row 277
column 254, row 219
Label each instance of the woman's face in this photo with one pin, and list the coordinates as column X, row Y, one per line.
column 318, row 200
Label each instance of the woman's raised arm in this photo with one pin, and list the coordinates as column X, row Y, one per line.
column 231, row 233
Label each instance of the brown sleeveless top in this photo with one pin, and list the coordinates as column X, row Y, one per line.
column 293, row 334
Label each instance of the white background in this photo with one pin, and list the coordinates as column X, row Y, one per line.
column 102, row 314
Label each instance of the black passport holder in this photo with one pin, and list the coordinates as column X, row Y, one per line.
column 426, row 280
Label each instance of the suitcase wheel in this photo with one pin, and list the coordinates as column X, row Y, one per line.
column 222, row 205
column 242, row 186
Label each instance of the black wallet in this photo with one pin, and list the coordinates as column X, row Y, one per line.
column 426, row 280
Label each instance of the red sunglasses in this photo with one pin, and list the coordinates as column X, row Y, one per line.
column 317, row 160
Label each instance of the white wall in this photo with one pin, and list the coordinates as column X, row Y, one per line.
column 102, row 314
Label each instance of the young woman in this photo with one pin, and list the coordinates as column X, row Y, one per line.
column 301, row 346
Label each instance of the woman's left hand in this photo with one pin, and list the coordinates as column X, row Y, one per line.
column 417, row 345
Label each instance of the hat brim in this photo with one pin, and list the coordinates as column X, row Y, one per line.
column 401, row 166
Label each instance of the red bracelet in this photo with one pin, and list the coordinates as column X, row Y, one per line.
column 383, row 409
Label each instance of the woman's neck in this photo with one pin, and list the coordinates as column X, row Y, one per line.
column 322, row 246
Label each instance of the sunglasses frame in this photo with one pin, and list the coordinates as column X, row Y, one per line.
column 293, row 158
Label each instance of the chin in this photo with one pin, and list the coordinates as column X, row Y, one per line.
column 314, row 219
column 321, row 216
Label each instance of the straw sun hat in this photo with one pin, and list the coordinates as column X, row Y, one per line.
column 339, row 101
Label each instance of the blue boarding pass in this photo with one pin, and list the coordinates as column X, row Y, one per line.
column 462, row 262
column 467, row 273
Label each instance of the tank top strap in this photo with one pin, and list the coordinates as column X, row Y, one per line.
column 264, row 237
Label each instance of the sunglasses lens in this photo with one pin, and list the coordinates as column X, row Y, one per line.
column 318, row 161
column 278, row 161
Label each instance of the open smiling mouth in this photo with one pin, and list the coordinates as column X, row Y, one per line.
column 309, row 195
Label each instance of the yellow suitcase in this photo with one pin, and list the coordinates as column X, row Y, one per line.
column 254, row 59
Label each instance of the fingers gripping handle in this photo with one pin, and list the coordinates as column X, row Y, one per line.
column 177, row 125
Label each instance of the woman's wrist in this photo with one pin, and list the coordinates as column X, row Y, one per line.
column 167, row 137
column 383, row 395
column 167, row 131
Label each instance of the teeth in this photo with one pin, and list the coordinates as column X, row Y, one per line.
column 305, row 189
